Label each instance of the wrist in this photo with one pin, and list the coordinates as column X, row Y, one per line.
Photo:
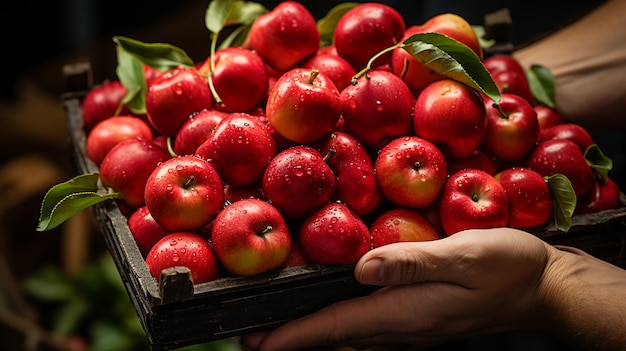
column 582, row 300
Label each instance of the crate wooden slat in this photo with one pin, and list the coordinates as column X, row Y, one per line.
column 174, row 313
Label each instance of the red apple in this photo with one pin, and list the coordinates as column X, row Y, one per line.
column 411, row 171
column 529, row 196
column 456, row 27
column 365, row 30
column 377, row 109
column 334, row 235
column 574, row 132
column 472, row 199
column 128, row 165
column 512, row 127
column 334, row 66
column 196, row 130
column 174, row 96
column 184, row 249
column 285, row 36
column 401, row 225
column 303, row 106
column 452, row 116
column 503, row 63
column 184, row 193
column 604, row 195
column 414, row 73
column 511, row 82
column 239, row 148
column 102, row 102
column 145, row 230
column 509, row 75
column 479, row 159
column 298, row 181
column 351, row 163
column 111, row 131
column 548, row 116
column 563, row 156
column 250, row 237
column 240, row 78
column 236, row 193
column 296, row 257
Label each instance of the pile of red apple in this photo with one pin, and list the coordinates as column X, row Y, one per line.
column 280, row 152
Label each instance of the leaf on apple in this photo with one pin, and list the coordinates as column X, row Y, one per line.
column 452, row 59
column 598, row 161
column 542, row 84
column 564, row 200
column 64, row 200
column 224, row 13
column 130, row 73
column 160, row 56
column 326, row 25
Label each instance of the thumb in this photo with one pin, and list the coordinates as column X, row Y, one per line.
column 443, row 260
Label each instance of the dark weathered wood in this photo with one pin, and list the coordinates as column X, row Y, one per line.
column 174, row 314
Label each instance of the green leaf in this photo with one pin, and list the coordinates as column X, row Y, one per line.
column 217, row 13
column 223, row 13
column 452, row 59
column 598, row 161
column 542, row 84
column 326, row 25
column 564, row 201
column 480, row 34
column 130, row 72
column 160, row 56
column 237, row 37
column 49, row 285
column 64, row 200
column 69, row 316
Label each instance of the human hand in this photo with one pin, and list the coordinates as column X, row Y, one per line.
column 472, row 283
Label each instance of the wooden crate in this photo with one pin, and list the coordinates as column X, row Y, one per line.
column 175, row 313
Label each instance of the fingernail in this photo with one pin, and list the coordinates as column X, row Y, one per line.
column 372, row 272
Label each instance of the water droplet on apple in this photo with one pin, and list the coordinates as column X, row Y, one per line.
column 379, row 106
column 297, row 171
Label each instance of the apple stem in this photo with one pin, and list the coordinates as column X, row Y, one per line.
column 266, row 230
column 502, row 114
column 329, row 154
column 216, row 96
column 314, row 74
column 405, row 68
column 371, row 62
column 189, row 181
column 170, row 147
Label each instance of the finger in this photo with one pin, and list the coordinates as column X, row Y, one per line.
column 461, row 258
column 253, row 340
column 398, row 309
column 412, row 262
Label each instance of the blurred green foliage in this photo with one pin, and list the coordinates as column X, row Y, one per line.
column 95, row 306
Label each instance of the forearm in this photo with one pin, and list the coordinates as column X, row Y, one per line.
column 585, row 301
column 588, row 60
